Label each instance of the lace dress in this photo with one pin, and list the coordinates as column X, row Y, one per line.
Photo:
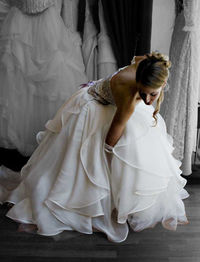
column 179, row 108
column 73, row 181
column 39, row 70
column 32, row 6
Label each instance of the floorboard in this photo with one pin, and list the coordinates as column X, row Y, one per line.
column 151, row 245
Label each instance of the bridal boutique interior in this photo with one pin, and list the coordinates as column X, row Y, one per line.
column 80, row 41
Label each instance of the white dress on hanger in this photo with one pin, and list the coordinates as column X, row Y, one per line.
column 179, row 108
column 89, row 47
column 39, row 70
column 70, row 17
column 106, row 62
column 74, row 181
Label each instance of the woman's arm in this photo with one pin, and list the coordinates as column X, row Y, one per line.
column 125, row 94
column 122, row 115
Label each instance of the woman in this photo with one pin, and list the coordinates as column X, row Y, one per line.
column 105, row 160
column 39, row 69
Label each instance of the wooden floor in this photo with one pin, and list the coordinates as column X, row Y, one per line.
column 152, row 245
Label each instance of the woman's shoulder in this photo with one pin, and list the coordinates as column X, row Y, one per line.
column 123, row 77
column 123, row 85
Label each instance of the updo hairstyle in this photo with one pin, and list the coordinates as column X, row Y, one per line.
column 153, row 72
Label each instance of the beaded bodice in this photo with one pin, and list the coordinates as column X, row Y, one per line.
column 32, row 6
column 101, row 90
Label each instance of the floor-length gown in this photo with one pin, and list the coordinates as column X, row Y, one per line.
column 179, row 108
column 174, row 107
column 74, row 181
column 39, row 70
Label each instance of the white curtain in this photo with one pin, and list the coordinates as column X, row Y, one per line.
column 179, row 108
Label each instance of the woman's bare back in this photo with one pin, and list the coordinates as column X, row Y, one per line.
column 124, row 88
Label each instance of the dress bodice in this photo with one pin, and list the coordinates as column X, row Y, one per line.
column 101, row 90
column 32, row 6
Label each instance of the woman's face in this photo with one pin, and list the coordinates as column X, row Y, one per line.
column 148, row 94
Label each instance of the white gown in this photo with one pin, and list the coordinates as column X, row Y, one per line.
column 39, row 70
column 4, row 8
column 97, row 51
column 70, row 17
column 73, row 182
column 181, row 101
column 90, row 46
column 106, row 62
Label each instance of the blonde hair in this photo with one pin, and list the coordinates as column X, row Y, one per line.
column 153, row 71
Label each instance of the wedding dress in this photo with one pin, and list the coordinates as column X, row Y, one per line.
column 89, row 47
column 39, row 70
column 97, row 51
column 180, row 106
column 74, row 181
column 70, row 18
column 106, row 62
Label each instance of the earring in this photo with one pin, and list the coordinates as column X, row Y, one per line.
column 166, row 87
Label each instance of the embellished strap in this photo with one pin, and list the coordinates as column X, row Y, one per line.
column 32, row 6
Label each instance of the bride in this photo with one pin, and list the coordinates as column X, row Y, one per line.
column 105, row 160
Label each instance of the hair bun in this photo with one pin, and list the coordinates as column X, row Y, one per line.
column 158, row 57
column 167, row 64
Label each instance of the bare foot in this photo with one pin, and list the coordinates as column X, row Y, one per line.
column 95, row 230
column 114, row 214
column 29, row 228
column 9, row 205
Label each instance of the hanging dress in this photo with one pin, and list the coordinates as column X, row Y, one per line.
column 39, row 70
column 74, row 181
column 106, row 62
column 89, row 47
column 181, row 101
column 70, row 19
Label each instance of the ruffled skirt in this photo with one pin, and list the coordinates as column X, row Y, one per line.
column 72, row 183
column 41, row 66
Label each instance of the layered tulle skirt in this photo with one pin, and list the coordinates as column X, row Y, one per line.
column 41, row 66
column 72, row 182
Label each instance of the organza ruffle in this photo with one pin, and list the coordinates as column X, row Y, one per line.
column 71, row 184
